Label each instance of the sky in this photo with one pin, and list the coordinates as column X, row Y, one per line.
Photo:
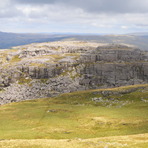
column 74, row 16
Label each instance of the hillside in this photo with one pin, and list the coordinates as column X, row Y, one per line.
column 101, row 118
column 9, row 40
column 139, row 40
column 48, row 69
column 73, row 94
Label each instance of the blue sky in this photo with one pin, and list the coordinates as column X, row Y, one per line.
column 77, row 16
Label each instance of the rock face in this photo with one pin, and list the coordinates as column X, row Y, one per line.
column 47, row 69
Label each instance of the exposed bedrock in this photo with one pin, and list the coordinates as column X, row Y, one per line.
column 47, row 69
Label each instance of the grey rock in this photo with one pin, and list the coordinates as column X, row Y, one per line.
column 48, row 69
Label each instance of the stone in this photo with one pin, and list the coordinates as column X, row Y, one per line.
column 47, row 69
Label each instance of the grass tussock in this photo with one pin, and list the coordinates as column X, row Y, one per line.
column 131, row 141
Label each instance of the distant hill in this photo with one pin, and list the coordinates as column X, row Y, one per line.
column 140, row 34
column 141, row 41
column 8, row 40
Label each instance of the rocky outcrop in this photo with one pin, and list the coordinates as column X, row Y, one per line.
column 47, row 69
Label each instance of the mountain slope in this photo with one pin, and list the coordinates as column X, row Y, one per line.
column 82, row 102
column 86, row 114
column 8, row 40
column 138, row 40
column 48, row 69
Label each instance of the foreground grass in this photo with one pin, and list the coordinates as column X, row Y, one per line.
column 75, row 115
column 132, row 141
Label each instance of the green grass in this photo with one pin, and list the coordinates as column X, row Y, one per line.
column 24, row 81
column 37, row 65
column 75, row 115
column 15, row 59
column 131, row 141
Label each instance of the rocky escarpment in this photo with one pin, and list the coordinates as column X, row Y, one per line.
column 47, row 69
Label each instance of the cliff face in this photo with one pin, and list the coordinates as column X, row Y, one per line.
column 47, row 69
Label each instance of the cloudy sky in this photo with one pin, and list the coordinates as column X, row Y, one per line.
column 77, row 16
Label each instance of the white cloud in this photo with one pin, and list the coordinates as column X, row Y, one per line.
column 124, row 27
column 73, row 16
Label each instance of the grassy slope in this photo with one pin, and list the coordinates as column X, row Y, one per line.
column 132, row 141
column 75, row 115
